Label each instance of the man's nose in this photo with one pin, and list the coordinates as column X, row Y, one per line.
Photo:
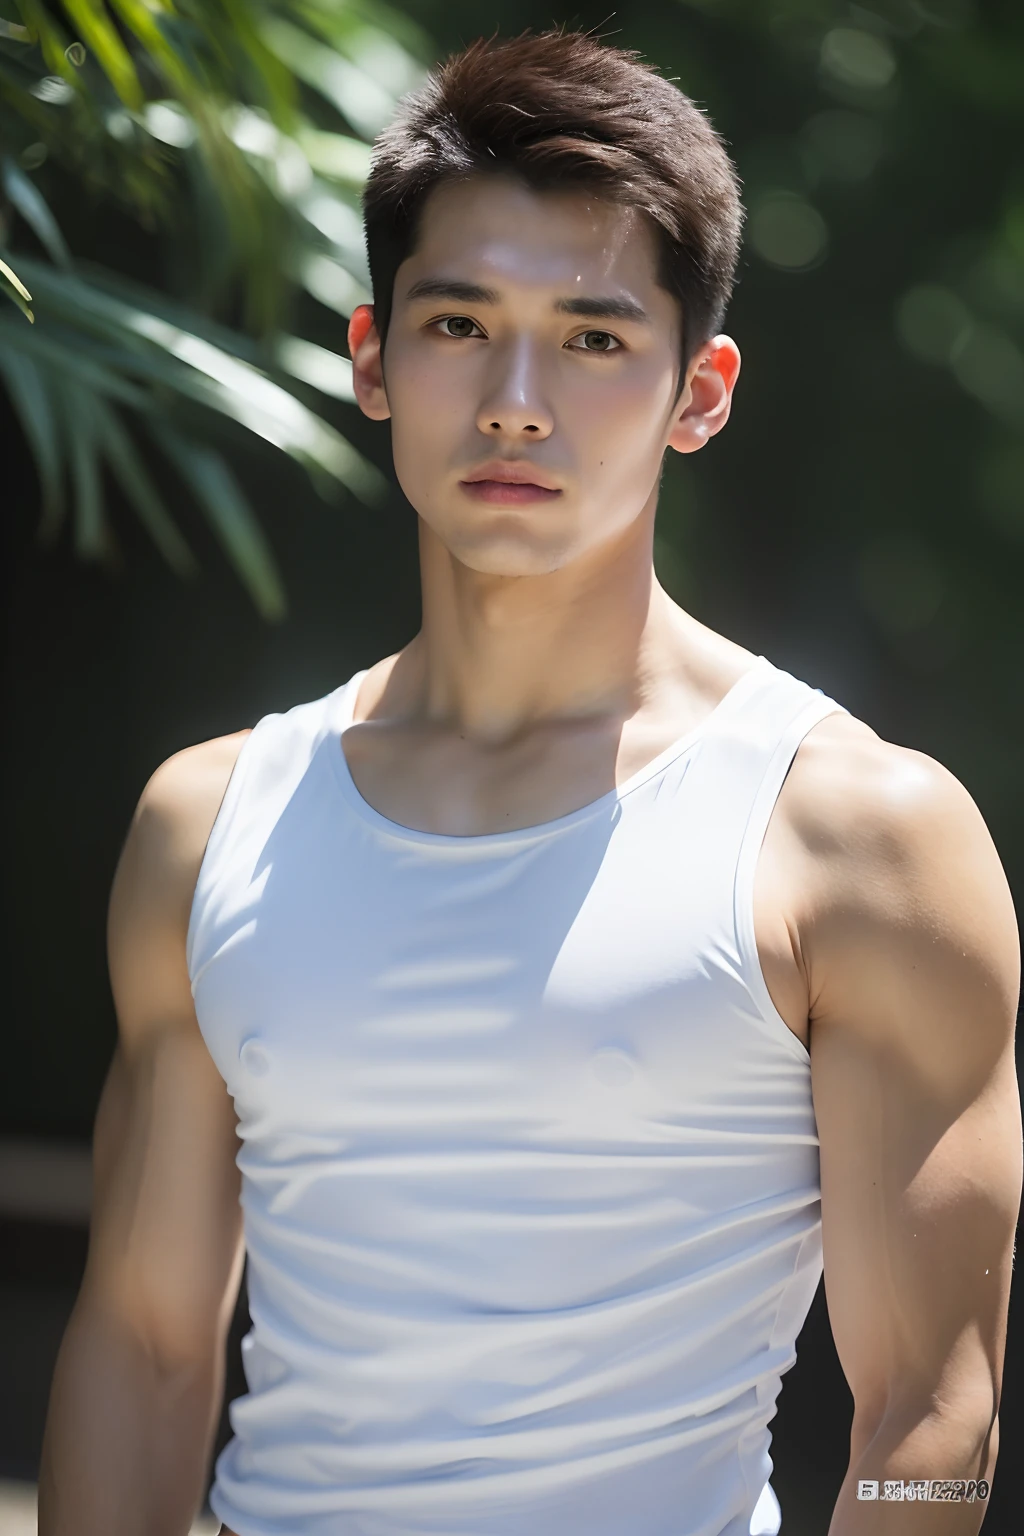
column 515, row 403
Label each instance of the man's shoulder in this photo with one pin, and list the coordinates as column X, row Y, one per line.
column 182, row 797
column 901, row 873
column 857, row 801
column 173, row 821
column 154, row 884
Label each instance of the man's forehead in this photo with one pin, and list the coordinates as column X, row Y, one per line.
column 502, row 232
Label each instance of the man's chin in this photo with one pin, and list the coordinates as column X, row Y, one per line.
column 509, row 561
column 504, row 552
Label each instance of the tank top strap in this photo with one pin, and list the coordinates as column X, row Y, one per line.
column 749, row 748
column 745, row 756
column 281, row 756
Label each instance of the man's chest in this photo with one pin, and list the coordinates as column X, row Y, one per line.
column 583, row 985
column 456, row 793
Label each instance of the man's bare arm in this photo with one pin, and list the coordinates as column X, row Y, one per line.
column 912, row 960
column 139, row 1378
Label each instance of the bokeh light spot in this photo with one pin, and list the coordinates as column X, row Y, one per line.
column 843, row 145
column 858, row 58
column 989, row 366
column 932, row 322
column 786, row 231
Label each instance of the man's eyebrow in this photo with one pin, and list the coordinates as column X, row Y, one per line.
column 448, row 288
column 587, row 308
column 602, row 309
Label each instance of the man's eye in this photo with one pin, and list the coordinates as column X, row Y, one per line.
column 458, row 325
column 598, row 341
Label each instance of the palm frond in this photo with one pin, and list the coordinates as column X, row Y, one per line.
column 35, row 210
column 92, row 22
column 217, row 490
column 126, row 463
column 213, row 116
column 355, row 95
column 12, row 286
column 92, row 539
column 33, row 402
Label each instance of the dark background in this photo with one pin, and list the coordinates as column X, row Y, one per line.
column 860, row 522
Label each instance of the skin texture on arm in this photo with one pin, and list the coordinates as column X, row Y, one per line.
column 910, row 949
column 139, row 1377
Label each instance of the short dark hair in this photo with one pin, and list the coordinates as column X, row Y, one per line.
column 560, row 110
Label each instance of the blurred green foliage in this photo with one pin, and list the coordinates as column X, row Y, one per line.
column 233, row 134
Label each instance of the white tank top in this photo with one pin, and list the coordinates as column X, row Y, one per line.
column 530, row 1164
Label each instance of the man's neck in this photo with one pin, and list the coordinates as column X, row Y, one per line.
column 497, row 655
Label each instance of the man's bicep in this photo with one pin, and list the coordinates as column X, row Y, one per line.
column 919, row 1196
column 915, row 975
column 165, row 1238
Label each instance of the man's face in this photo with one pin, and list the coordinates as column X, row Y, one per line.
column 529, row 329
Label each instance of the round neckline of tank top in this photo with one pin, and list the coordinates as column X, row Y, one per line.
column 349, row 692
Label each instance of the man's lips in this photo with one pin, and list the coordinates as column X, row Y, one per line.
column 505, row 493
column 509, row 483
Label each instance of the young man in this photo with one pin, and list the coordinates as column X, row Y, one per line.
column 502, row 1004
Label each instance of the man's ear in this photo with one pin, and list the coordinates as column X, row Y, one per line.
column 367, row 374
column 704, row 405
